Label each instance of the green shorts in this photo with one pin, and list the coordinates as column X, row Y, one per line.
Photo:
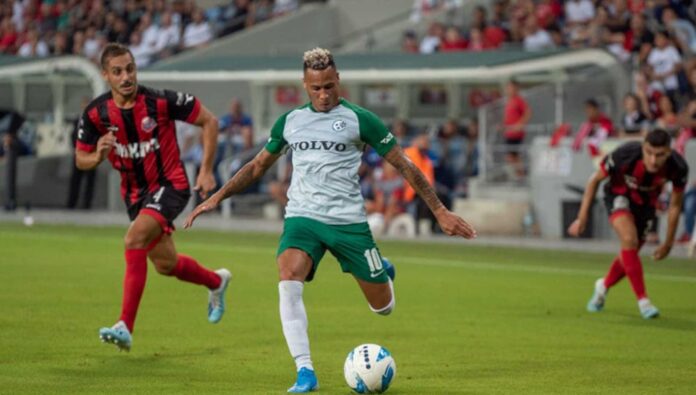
column 352, row 245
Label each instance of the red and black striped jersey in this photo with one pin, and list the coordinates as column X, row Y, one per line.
column 146, row 151
column 628, row 176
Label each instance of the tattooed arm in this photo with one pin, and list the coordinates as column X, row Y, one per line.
column 450, row 223
column 247, row 175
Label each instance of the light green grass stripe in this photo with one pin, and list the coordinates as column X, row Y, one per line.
column 423, row 261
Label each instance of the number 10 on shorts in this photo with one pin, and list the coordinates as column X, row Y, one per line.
column 373, row 260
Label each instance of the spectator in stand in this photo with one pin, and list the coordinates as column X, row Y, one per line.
column 665, row 63
column 168, row 38
column 198, row 32
column 535, row 38
column 236, row 16
column 689, row 214
column 283, row 7
column 77, row 175
column 433, row 39
column 634, row 123
column 8, row 36
column 595, row 130
column 476, row 41
column 517, row 115
column 639, row 39
column 649, row 95
column 59, row 46
column 668, row 119
column 92, row 47
column 236, row 128
column 453, row 41
column 472, row 149
column 119, row 32
column 259, row 11
column 141, row 53
column 400, row 130
column 493, row 36
column 34, row 46
column 619, row 16
column 388, row 199
column 579, row 14
column 409, row 42
column 682, row 30
column 149, row 32
column 419, row 153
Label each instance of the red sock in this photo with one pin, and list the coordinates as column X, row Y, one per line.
column 615, row 274
column 187, row 269
column 133, row 285
column 634, row 271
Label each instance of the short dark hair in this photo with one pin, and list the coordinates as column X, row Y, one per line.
column 658, row 138
column 592, row 103
column 112, row 50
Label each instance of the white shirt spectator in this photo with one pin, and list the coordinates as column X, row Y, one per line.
column 141, row 54
column 92, row 48
column 197, row 34
column 579, row 11
column 538, row 41
column 27, row 49
column 150, row 37
column 664, row 61
column 429, row 44
column 168, row 37
column 284, row 6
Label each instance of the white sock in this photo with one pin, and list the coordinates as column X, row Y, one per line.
column 386, row 310
column 294, row 319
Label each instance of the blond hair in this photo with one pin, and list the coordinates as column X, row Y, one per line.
column 318, row 59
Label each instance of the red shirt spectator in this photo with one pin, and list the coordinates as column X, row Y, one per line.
column 517, row 114
column 453, row 41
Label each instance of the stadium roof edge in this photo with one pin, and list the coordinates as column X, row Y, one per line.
column 490, row 65
column 14, row 66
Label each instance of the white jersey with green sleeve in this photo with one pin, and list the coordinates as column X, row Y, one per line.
column 327, row 150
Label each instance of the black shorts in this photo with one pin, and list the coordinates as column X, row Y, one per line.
column 164, row 205
column 643, row 216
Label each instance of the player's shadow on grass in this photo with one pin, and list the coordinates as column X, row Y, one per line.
column 147, row 365
column 663, row 322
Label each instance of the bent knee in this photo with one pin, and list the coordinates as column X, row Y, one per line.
column 163, row 266
column 135, row 241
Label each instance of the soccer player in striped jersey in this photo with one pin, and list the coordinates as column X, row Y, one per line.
column 133, row 127
column 325, row 209
column 636, row 172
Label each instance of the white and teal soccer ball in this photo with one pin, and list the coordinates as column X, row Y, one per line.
column 369, row 369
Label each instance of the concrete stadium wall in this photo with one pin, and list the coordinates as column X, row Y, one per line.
column 313, row 25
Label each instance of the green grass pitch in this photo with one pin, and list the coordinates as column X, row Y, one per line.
column 468, row 320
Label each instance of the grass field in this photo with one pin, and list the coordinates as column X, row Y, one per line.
column 468, row 320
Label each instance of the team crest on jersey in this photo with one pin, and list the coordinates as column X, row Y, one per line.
column 148, row 124
column 339, row 125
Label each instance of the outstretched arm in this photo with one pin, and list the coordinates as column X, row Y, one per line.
column 205, row 182
column 246, row 176
column 578, row 226
column 450, row 223
column 673, row 213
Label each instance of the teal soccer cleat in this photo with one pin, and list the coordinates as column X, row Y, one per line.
column 647, row 309
column 306, row 382
column 596, row 303
column 118, row 335
column 216, row 298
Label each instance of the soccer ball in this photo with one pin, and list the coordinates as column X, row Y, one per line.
column 369, row 369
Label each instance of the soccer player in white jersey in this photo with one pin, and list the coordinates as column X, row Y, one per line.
column 325, row 208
